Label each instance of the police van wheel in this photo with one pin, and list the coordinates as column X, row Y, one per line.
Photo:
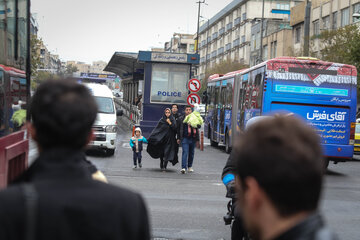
column 110, row 152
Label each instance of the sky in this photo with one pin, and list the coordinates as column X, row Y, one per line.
column 91, row 30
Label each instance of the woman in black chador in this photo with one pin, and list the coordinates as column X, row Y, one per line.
column 162, row 140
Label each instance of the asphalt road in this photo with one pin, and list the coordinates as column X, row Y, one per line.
column 191, row 206
column 181, row 206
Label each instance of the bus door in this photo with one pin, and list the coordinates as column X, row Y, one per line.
column 221, row 112
column 216, row 111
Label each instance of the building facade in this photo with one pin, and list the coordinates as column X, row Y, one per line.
column 227, row 35
column 325, row 15
column 181, row 43
column 275, row 40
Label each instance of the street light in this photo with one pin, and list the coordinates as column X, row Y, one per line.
column 197, row 32
column 207, row 44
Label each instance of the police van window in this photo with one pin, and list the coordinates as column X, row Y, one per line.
column 169, row 83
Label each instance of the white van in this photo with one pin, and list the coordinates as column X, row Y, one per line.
column 105, row 126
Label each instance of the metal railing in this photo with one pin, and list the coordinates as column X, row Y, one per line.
column 130, row 111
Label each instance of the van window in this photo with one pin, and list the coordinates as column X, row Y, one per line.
column 105, row 105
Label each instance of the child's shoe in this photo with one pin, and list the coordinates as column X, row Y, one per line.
column 134, row 166
column 140, row 165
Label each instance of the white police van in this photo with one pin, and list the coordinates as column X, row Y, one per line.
column 105, row 126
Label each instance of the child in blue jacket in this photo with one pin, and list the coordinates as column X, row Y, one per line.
column 136, row 143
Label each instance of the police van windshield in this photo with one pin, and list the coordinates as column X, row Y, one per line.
column 105, row 105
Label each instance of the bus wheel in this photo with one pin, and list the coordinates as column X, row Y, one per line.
column 326, row 163
column 213, row 143
column 227, row 143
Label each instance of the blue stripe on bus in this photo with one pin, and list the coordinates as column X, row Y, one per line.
column 311, row 90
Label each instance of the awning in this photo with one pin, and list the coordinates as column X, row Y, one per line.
column 124, row 64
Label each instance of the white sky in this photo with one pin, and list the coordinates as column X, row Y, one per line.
column 90, row 30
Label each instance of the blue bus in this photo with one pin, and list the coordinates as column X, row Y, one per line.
column 322, row 93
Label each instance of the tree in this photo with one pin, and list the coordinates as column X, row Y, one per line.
column 341, row 45
column 42, row 76
column 70, row 69
column 35, row 44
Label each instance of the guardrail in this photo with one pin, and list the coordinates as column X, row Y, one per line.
column 14, row 151
column 129, row 110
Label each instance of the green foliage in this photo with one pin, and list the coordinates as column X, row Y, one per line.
column 343, row 46
column 35, row 44
column 221, row 68
column 71, row 69
column 41, row 77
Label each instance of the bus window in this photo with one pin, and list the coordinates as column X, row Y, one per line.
column 223, row 96
column 15, row 89
column 217, row 96
column 229, row 94
column 257, row 89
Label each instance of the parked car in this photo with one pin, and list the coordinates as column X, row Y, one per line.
column 357, row 138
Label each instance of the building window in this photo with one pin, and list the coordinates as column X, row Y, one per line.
column 258, row 39
column 283, row 6
column 242, row 38
column 253, row 42
column 265, row 53
column 326, row 22
column 167, row 78
column 297, row 34
column 334, row 25
column 273, row 49
column 356, row 9
column 345, row 17
column 244, row 16
column 316, row 27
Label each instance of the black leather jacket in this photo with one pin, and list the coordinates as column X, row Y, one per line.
column 312, row 228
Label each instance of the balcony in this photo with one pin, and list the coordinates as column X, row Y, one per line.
column 237, row 21
column 221, row 31
column 214, row 36
column 228, row 47
column 229, row 26
column 213, row 54
column 220, row 50
column 236, row 42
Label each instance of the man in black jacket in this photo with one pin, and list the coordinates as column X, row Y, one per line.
column 279, row 172
column 56, row 198
column 189, row 137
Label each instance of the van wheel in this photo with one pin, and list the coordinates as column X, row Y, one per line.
column 110, row 152
column 227, row 143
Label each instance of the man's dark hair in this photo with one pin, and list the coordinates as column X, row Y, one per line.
column 63, row 113
column 187, row 106
column 174, row 104
column 284, row 155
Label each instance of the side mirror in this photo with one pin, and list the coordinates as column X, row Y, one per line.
column 119, row 112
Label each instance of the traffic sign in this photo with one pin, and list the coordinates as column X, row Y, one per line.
column 192, row 99
column 194, row 85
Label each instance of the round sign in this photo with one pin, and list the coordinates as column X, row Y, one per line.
column 192, row 99
column 194, row 85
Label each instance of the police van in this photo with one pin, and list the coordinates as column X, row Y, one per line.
column 105, row 126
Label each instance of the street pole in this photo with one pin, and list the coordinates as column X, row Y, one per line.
column 198, row 23
column 261, row 31
column 307, row 28
column 207, row 45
